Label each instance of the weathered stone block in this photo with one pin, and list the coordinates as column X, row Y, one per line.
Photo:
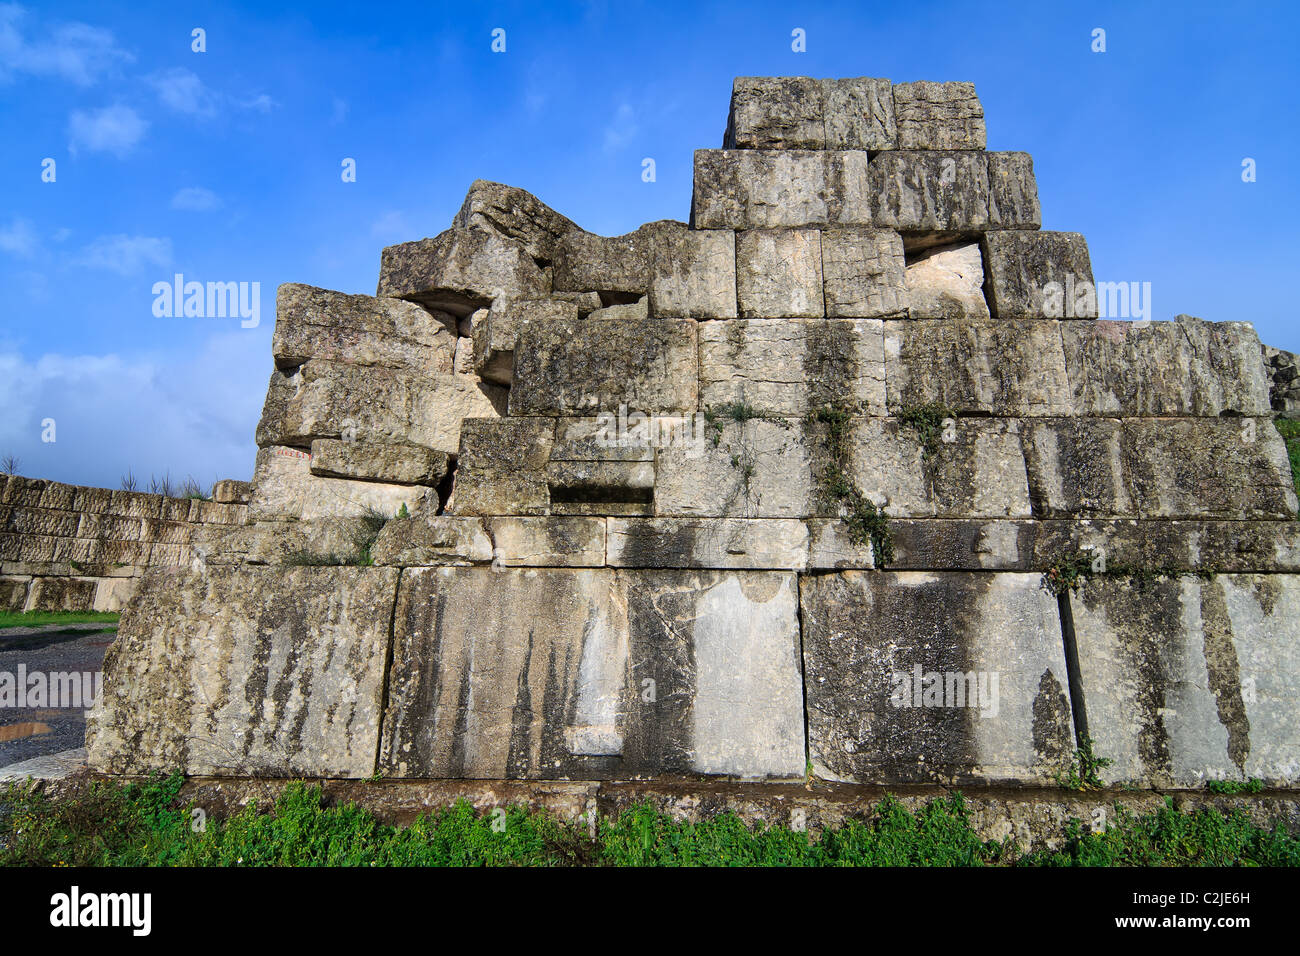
column 284, row 487
column 1036, row 275
column 502, row 467
column 775, row 112
column 864, row 274
column 859, row 114
column 555, row 542
column 938, row 116
column 394, row 463
column 515, row 214
column 779, row 273
column 231, row 491
column 596, row 365
column 586, row 487
column 763, row 189
column 610, row 265
column 606, row 439
column 1188, row 680
column 758, row 543
column 135, row 504
column 460, row 270
column 915, row 677
column 693, row 274
column 793, row 367
column 977, row 367
column 313, row 323
column 61, row 594
column 57, row 495
column 559, row 660
column 433, row 540
column 496, row 333
column 1013, row 191
column 946, row 282
column 270, row 672
column 943, row 192
column 13, row 592
column 1186, row 367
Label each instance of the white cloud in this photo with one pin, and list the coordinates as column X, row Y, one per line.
column 174, row 411
column 195, row 199
column 113, row 129
column 621, row 128
column 126, row 255
column 76, row 52
column 19, row 239
column 182, row 91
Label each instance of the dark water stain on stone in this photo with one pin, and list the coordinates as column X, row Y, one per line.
column 521, row 719
column 1053, row 744
column 1224, row 671
column 830, row 363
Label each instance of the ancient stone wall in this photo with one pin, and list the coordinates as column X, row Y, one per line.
column 72, row 548
column 843, row 478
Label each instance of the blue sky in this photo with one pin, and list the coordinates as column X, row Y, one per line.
column 225, row 165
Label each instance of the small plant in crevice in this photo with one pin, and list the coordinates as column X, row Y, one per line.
column 866, row 522
column 927, row 421
column 1085, row 765
column 1289, row 429
column 1069, row 574
column 1253, row 785
column 364, row 535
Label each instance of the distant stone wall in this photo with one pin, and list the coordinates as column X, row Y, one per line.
column 72, row 548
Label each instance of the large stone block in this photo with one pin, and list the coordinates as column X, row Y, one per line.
column 433, row 540
column 938, row 116
column 460, row 270
column 313, row 323
column 1013, row 191
column 1035, row 275
column 554, row 674
column 596, row 365
column 497, row 331
column 394, row 463
column 930, row 192
column 61, row 594
column 247, row 672
column 775, row 112
column 1186, row 367
column 764, row 189
column 501, row 469
column 614, row 266
column 334, row 400
column 693, row 274
column 864, row 275
column 793, row 367
column 859, row 113
column 946, row 282
column 779, row 273
column 1188, row 680
column 1228, row 468
column 757, row 543
column 284, row 487
column 516, row 214
column 952, row 678
column 976, row 367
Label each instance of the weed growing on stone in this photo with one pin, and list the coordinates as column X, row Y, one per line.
column 866, row 522
column 1253, row 785
column 1289, row 429
column 927, row 421
column 1084, row 768
column 1068, row 574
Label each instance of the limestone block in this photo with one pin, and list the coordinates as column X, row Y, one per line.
column 57, row 495
column 752, row 543
column 284, row 487
column 279, row 392
column 13, row 592
column 693, row 274
column 947, row 283
column 938, row 116
column 433, row 540
column 953, row 678
column 775, row 112
column 1013, row 191
column 1034, row 275
column 1186, row 367
column 365, row 461
column 588, row 674
column 864, row 274
column 779, row 273
column 61, row 594
column 556, row 542
column 859, row 114
column 135, row 504
column 930, row 191
column 502, row 467
column 588, row 485
column 230, row 491
column 112, row 594
column 61, row 524
column 515, row 214
column 604, row 439
column 977, row 367
column 1188, row 680
column 96, row 500
column 460, row 270
column 597, row 365
column 27, row 492
column 793, row 367
column 495, row 335
column 313, row 323
column 269, row 672
column 609, row 265
column 764, row 189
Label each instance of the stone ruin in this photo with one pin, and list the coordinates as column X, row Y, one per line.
column 841, row 479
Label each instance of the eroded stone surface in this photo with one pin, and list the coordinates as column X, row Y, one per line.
column 938, row 116
column 460, row 270
column 763, row 189
column 779, row 273
column 864, row 273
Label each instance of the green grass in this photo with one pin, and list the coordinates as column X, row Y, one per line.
column 1289, row 428
column 36, row 618
column 104, row 824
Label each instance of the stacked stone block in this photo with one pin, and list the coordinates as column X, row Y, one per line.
column 781, row 490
